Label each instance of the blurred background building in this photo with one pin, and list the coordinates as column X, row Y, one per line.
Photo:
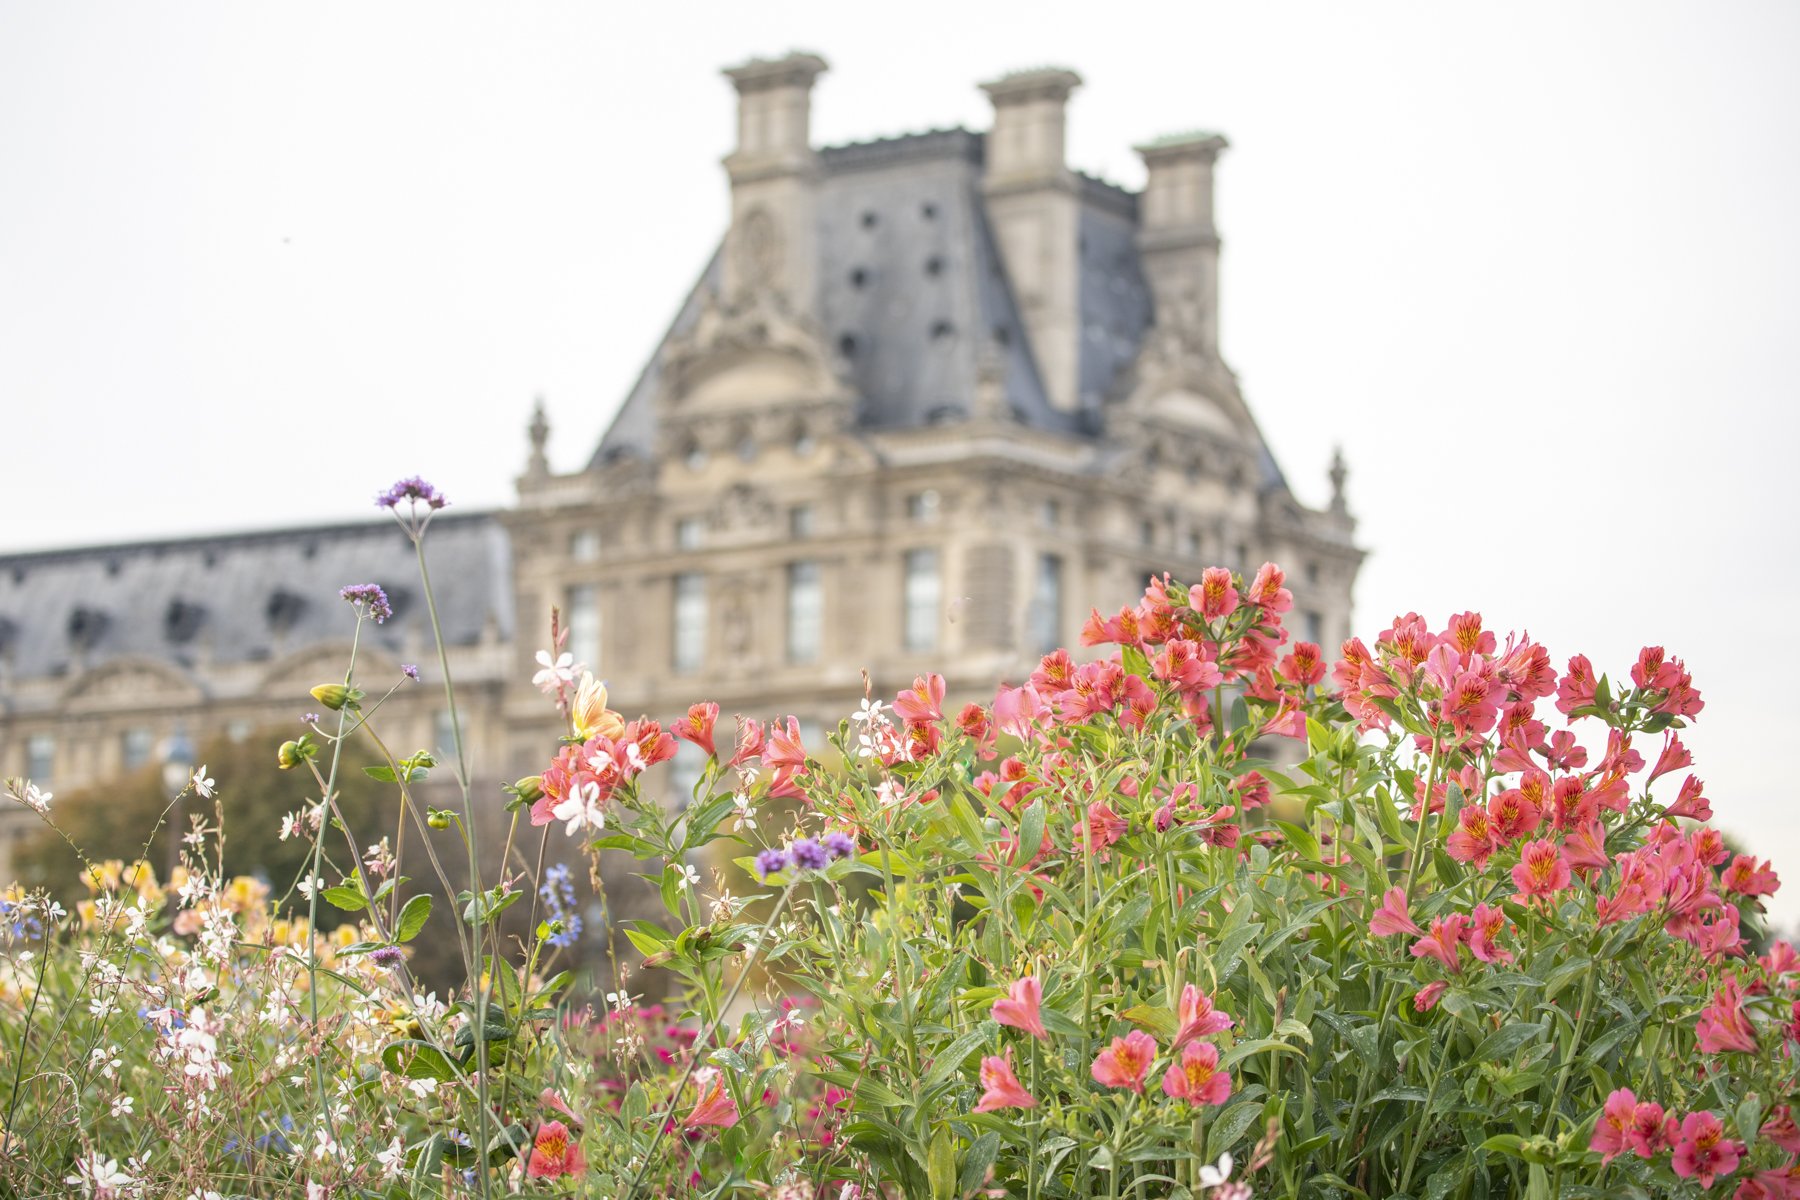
column 934, row 397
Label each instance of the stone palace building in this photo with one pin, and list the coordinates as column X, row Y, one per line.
column 933, row 397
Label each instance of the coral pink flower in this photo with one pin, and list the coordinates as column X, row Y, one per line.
column 923, row 701
column 1466, row 634
column 1577, row 686
column 1472, row 841
column 1674, row 756
column 1197, row 1078
column 1615, row 1121
column 1653, row 671
column 1691, row 803
column 1703, row 1151
column 1392, row 918
column 1197, row 1017
column 1650, row 1133
column 1020, row 1008
column 1104, row 825
column 1512, row 815
column 1541, row 870
column 1125, row 1063
column 697, row 726
column 1018, row 710
column 1781, row 1129
column 1723, row 1024
column 1486, row 925
column 1585, row 850
column 1000, row 1088
column 1427, row 997
column 554, row 1153
column 1216, row 596
column 1748, row 878
column 714, row 1105
column 978, row 726
column 1266, row 591
column 749, row 741
column 1443, row 942
column 1780, row 960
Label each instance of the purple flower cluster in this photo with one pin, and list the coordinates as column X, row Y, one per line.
column 387, row 957
column 371, row 596
column 414, row 489
column 806, row 854
column 410, row 671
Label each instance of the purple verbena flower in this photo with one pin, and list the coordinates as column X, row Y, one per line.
column 387, row 957
column 410, row 671
column 770, row 861
column 414, row 489
column 309, row 718
column 809, row 855
column 839, row 844
column 371, row 596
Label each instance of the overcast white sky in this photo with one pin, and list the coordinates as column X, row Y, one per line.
column 1536, row 266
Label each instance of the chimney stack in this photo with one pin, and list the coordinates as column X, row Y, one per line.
column 772, row 242
column 1033, row 203
column 1177, row 239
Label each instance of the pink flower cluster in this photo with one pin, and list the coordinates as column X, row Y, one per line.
column 1193, row 1074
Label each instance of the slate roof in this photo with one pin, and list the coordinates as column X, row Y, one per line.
column 912, row 292
column 224, row 597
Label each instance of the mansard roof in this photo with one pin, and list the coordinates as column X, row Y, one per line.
column 914, row 300
column 237, row 597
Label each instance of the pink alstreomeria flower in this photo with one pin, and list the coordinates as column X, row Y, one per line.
column 1703, row 1150
column 1616, row 1120
column 1197, row 1078
column 1020, row 1008
column 1125, row 1063
column 1392, row 918
column 1000, row 1088
column 555, row 1153
column 714, row 1106
column 1198, row 1017
column 1723, row 1025
column 1541, row 870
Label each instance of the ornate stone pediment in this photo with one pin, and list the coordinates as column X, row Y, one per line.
column 748, row 352
column 134, row 683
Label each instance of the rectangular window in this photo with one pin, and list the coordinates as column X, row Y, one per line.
column 443, row 735
column 1315, row 628
column 800, row 521
column 40, row 759
column 136, row 747
column 582, row 619
column 923, row 596
column 584, row 545
column 690, row 621
column 689, row 533
column 1047, row 604
column 805, row 612
column 922, row 506
column 685, row 772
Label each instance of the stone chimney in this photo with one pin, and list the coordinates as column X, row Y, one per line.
column 772, row 245
column 1177, row 240
column 1033, row 202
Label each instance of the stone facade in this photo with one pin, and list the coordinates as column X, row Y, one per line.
column 933, row 398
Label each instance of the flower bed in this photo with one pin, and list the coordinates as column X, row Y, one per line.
column 1205, row 915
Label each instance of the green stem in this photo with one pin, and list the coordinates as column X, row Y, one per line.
column 701, row 1043
column 1423, row 1129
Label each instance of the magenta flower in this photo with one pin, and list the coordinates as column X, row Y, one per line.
column 1020, row 1008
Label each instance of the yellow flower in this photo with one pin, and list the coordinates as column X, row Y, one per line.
column 589, row 713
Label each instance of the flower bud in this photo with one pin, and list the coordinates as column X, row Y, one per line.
column 291, row 755
column 530, row 789
column 437, row 818
column 331, row 695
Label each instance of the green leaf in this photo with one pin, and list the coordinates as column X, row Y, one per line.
column 1304, row 841
column 940, row 1166
column 1230, row 1126
column 412, row 918
column 1505, row 1041
column 381, row 774
column 977, row 1162
column 414, row 1059
column 344, row 896
column 1031, row 831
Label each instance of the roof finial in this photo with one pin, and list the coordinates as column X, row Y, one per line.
column 1339, row 473
column 539, row 431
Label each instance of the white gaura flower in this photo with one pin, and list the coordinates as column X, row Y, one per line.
column 1211, row 1176
column 99, row 1177
column 689, row 877
column 557, row 672
column 393, row 1159
column 202, row 784
column 581, row 809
